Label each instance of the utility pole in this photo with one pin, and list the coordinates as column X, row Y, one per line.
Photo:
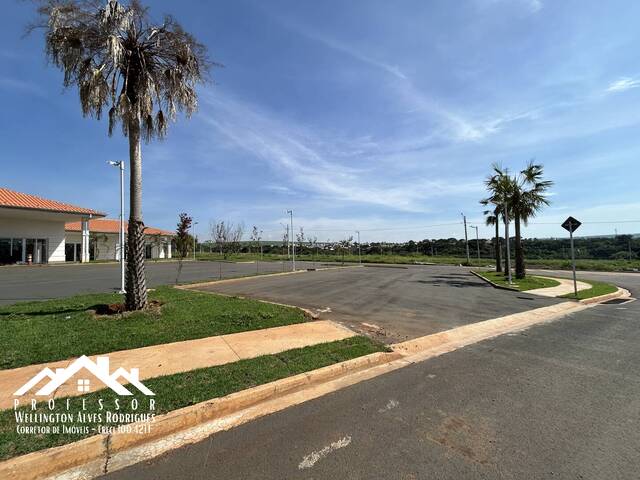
column 360, row 254
column 477, row 241
column 466, row 238
column 120, row 164
column 293, row 243
column 506, row 234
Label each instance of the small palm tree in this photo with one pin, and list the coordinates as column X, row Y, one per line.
column 143, row 73
column 499, row 185
column 492, row 218
column 528, row 198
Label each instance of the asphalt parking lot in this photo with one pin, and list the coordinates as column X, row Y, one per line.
column 391, row 304
column 43, row 282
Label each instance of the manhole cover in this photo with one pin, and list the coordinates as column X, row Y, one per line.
column 617, row 301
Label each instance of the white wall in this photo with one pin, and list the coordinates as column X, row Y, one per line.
column 108, row 243
column 53, row 231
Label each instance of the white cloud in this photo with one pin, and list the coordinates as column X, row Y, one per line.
column 330, row 167
column 623, row 83
column 344, row 48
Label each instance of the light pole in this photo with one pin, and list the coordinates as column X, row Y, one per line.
column 359, row 252
column 120, row 165
column 194, row 240
column 466, row 238
column 293, row 242
column 477, row 241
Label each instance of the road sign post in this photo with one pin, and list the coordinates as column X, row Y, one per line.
column 571, row 225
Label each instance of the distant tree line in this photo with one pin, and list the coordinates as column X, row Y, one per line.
column 620, row 247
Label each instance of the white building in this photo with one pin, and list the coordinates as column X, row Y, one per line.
column 104, row 240
column 37, row 230
column 32, row 228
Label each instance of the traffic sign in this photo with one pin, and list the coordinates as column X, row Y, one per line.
column 571, row 224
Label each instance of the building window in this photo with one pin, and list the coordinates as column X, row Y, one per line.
column 5, row 250
column 16, row 250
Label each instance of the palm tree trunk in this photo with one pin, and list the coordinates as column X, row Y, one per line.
column 520, row 270
column 136, row 297
column 506, row 259
column 497, row 244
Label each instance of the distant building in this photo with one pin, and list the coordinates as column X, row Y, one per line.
column 38, row 230
column 32, row 228
column 104, row 240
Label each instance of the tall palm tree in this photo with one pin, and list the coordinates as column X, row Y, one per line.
column 499, row 185
column 528, row 197
column 143, row 72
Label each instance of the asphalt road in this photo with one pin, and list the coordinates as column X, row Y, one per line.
column 560, row 400
column 403, row 302
column 41, row 282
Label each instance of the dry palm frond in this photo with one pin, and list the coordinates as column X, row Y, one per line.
column 121, row 62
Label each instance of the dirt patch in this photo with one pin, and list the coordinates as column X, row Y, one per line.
column 110, row 309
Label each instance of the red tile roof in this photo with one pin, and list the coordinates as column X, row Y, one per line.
column 108, row 225
column 13, row 199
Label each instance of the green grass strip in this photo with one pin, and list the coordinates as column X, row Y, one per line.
column 597, row 289
column 184, row 389
column 39, row 332
column 530, row 282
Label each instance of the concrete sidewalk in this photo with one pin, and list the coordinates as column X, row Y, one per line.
column 169, row 358
column 565, row 287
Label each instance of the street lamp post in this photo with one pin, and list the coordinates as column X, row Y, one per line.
column 293, row 242
column 477, row 241
column 466, row 238
column 359, row 252
column 120, row 165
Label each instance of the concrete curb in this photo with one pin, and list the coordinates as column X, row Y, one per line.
column 103, row 453
column 187, row 286
column 621, row 292
column 306, row 311
column 98, row 449
column 494, row 285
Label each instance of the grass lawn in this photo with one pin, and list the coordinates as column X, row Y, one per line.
column 597, row 289
column 557, row 264
column 38, row 332
column 184, row 389
column 530, row 282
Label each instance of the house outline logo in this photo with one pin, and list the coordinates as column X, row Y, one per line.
column 99, row 369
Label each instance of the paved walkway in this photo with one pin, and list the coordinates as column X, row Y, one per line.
column 565, row 287
column 169, row 358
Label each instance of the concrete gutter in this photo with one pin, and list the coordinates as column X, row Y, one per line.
column 105, row 453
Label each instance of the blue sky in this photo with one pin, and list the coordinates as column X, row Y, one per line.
column 371, row 115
